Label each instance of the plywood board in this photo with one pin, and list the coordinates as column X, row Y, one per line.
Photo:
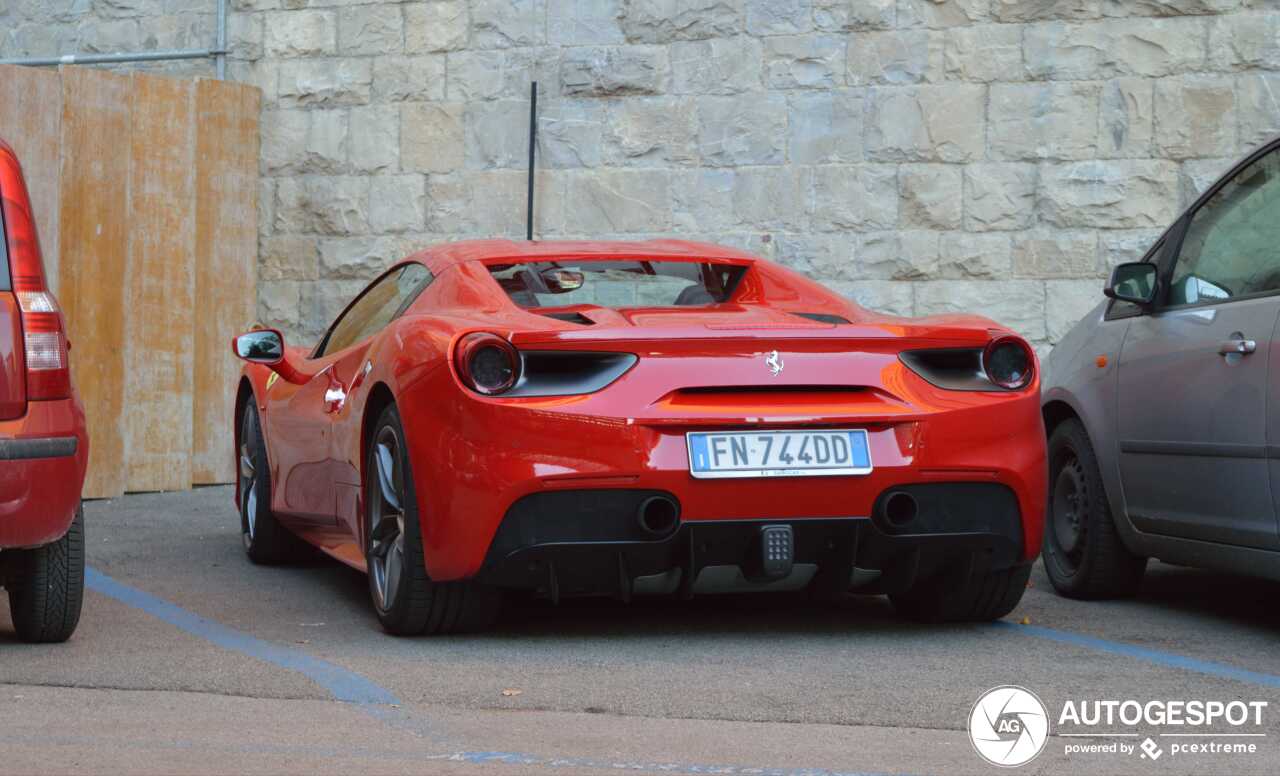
column 160, row 285
column 226, row 264
column 30, row 121
column 93, row 233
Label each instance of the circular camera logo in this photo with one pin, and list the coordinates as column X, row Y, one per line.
column 1009, row 726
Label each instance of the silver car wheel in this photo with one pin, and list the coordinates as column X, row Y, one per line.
column 248, row 479
column 386, row 518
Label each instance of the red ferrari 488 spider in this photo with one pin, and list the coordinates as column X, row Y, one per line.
column 622, row 419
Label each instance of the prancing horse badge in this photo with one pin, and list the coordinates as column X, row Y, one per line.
column 774, row 362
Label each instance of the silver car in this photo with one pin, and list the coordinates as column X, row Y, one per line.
column 1161, row 404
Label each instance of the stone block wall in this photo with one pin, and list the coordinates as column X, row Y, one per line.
column 921, row 156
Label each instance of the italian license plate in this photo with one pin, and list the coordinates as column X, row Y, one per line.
column 716, row 454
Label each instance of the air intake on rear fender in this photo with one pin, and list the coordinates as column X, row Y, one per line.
column 568, row 372
column 571, row 317
column 823, row 317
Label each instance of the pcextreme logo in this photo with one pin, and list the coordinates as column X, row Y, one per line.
column 1009, row 726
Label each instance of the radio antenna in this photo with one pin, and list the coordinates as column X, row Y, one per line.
column 533, row 143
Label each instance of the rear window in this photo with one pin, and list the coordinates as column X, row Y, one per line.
column 618, row 284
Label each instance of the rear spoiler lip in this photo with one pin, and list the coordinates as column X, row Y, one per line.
column 764, row 336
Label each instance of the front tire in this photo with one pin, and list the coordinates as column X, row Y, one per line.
column 266, row 541
column 980, row 598
column 1083, row 554
column 46, row 586
column 405, row 598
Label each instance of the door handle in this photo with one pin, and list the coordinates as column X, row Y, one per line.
column 335, row 398
column 1241, row 347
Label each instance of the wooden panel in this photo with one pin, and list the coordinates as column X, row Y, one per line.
column 93, row 233
column 30, row 121
column 226, row 264
column 160, row 285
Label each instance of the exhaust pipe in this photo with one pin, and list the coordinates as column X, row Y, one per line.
column 900, row 508
column 658, row 516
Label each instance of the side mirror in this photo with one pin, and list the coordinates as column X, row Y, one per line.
column 265, row 346
column 1134, row 282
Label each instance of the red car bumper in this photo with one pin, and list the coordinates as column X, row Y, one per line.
column 43, row 456
column 512, row 489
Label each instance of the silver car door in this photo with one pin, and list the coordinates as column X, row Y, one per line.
column 1193, row 374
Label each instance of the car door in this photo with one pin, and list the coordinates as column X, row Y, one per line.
column 385, row 300
column 301, row 417
column 299, row 428
column 1194, row 373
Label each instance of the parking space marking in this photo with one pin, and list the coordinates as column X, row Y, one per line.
column 515, row 758
column 349, row 687
column 1156, row 656
column 342, row 684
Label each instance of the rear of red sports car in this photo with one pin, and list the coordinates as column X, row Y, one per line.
column 691, row 420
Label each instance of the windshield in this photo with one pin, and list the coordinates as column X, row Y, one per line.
column 618, row 284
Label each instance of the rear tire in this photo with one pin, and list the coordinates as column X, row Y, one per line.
column 46, row 586
column 266, row 540
column 981, row 598
column 405, row 598
column 1083, row 554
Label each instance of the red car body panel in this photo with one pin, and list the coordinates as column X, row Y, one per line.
column 39, row 496
column 44, row 447
column 473, row 456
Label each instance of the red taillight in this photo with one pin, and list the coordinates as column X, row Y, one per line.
column 1009, row 363
column 48, row 369
column 487, row 363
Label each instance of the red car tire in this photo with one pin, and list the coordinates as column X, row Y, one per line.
column 46, row 586
column 980, row 598
column 266, row 541
column 406, row 600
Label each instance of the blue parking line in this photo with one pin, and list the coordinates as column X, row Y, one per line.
column 528, row 760
column 348, row 686
column 342, row 684
column 1168, row 659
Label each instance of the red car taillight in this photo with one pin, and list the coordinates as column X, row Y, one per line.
column 48, row 368
column 1009, row 363
column 487, row 363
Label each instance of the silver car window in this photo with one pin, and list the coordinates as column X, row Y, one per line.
column 1230, row 246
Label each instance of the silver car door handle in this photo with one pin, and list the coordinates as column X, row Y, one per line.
column 1241, row 346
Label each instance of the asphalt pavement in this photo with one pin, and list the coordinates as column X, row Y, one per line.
column 190, row 659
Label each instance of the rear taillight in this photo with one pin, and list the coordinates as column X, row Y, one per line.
column 48, row 369
column 487, row 363
column 1009, row 363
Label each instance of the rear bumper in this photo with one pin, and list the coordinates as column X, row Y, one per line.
column 43, row 457
column 38, row 447
column 587, row 543
column 473, row 460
